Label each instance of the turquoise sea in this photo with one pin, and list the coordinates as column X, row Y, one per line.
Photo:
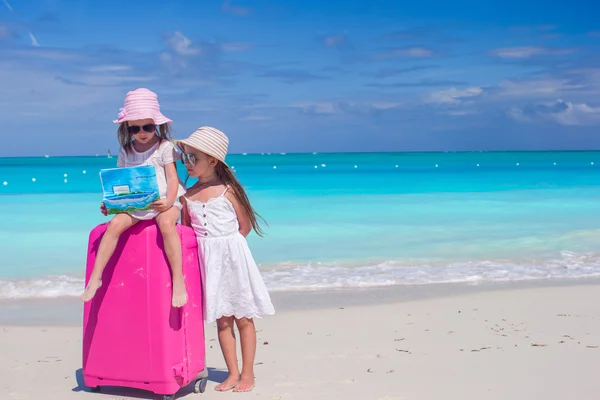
column 339, row 220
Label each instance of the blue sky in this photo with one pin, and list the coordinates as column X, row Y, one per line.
column 286, row 76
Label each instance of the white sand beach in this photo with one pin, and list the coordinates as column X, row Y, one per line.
column 532, row 343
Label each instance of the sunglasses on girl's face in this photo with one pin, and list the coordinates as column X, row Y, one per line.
column 188, row 159
column 134, row 129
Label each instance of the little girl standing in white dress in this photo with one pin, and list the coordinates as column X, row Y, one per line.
column 219, row 211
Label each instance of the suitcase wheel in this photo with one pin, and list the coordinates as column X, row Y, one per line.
column 200, row 385
column 169, row 397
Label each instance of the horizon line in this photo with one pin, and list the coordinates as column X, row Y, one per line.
column 336, row 152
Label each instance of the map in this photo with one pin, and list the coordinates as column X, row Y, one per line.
column 129, row 189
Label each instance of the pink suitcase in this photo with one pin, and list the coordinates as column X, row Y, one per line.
column 132, row 336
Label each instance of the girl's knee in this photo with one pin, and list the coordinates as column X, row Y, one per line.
column 243, row 323
column 166, row 223
column 224, row 323
column 119, row 223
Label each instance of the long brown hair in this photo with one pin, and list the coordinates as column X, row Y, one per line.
column 226, row 175
column 126, row 139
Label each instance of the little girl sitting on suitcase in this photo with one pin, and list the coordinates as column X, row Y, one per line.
column 144, row 137
column 219, row 211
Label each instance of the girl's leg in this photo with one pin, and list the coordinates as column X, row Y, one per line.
column 119, row 224
column 248, row 342
column 167, row 224
column 227, row 342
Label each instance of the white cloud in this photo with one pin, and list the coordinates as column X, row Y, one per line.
column 535, row 88
column 459, row 113
column 318, row 107
column 182, row 45
column 37, row 89
column 382, row 105
column 452, row 96
column 345, row 107
column 256, row 118
column 34, row 41
column 517, row 52
column 528, row 51
column 334, row 40
column 235, row 10
column 190, row 82
column 7, row 5
column 185, row 57
column 559, row 111
column 49, row 54
column 589, row 79
column 107, row 79
column 419, row 52
column 165, row 57
column 5, row 33
column 236, row 46
column 411, row 51
column 110, row 68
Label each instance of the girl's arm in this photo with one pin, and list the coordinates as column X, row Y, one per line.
column 242, row 216
column 162, row 205
column 185, row 215
column 169, row 158
column 121, row 158
column 172, row 183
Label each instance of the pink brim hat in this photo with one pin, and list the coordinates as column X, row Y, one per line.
column 141, row 104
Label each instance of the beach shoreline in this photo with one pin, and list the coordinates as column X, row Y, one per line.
column 518, row 343
column 68, row 311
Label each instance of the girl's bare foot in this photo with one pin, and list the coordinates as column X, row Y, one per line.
column 246, row 384
column 230, row 383
column 179, row 293
column 90, row 290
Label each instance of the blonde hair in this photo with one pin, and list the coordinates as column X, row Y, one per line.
column 126, row 139
column 226, row 175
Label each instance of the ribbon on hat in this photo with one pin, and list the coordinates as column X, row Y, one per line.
column 122, row 113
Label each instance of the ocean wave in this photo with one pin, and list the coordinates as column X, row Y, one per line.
column 331, row 275
column 318, row 276
column 47, row 287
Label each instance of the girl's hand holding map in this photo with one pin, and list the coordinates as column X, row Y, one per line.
column 161, row 205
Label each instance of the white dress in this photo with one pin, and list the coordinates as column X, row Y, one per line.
column 231, row 280
column 159, row 155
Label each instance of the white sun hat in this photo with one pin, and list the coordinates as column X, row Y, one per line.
column 210, row 141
